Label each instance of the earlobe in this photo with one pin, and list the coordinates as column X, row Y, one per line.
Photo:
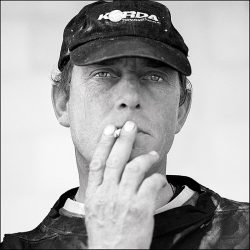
column 183, row 112
column 60, row 105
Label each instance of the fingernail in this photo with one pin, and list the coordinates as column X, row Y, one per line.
column 129, row 126
column 109, row 130
column 154, row 153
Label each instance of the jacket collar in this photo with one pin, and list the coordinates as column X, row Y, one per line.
column 169, row 221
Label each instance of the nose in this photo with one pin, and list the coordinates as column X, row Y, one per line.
column 128, row 95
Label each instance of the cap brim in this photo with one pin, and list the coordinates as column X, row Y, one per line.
column 110, row 48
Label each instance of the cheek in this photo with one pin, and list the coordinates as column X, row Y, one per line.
column 166, row 118
column 87, row 109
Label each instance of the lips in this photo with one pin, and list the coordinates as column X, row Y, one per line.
column 142, row 131
column 139, row 129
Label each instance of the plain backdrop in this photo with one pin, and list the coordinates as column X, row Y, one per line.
column 37, row 155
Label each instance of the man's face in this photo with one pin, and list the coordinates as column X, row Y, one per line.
column 115, row 91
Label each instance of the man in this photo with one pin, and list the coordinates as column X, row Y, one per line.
column 122, row 90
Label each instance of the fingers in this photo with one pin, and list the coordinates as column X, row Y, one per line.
column 150, row 188
column 120, row 153
column 135, row 171
column 97, row 164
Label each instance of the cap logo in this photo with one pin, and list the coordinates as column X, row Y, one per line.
column 117, row 15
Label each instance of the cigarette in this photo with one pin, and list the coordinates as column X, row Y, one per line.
column 117, row 133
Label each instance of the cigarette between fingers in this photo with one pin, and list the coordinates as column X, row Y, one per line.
column 117, row 133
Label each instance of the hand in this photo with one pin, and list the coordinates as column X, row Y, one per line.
column 119, row 202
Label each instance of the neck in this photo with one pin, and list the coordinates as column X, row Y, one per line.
column 163, row 198
column 83, row 171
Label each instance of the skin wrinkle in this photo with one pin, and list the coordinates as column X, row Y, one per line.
column 165, row 134
column 92, row 93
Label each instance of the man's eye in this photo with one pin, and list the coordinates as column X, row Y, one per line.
column 154, row 78
column 103, row 74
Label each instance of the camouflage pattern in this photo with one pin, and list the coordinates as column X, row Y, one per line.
column 205, row 221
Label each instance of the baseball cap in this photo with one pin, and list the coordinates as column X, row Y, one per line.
column 111, row 29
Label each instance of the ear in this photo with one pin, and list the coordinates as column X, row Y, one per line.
column 60, row 105
column 183, row 112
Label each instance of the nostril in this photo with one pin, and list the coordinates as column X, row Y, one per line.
column 123, row 105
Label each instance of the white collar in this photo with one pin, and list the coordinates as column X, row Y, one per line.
column 79, row 208
column 178, row 201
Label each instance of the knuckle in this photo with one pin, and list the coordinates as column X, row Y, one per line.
column 104, row 142
column 112, row 162
column 138, row 211
column 151, row 183
column 151, row 186
column 89, row 205
column 133, row 168
column 134, row 209
column 139, row 165
column 124, row 188
column 95, row 165
column 144, row 160
column 159, row 178
column 89, row 194
column 93, row 203
column 156, row 181
column 156, row 177
column 139, row 160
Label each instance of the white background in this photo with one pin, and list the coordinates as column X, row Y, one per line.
column 37, row 155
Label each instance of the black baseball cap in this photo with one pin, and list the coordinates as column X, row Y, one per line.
column 111, row 29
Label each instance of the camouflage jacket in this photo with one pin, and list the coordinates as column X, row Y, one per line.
column 206, row 221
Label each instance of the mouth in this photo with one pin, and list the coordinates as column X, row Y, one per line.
column 119, row 128
column 140, row 131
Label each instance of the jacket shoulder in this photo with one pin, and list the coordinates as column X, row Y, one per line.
column 22, row 240
column 12, row 241
column 231, row 224
column 227, row 205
